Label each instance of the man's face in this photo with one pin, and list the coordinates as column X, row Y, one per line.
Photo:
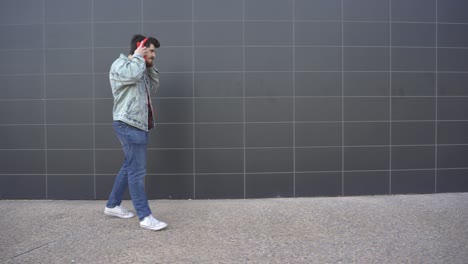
column 150, row 55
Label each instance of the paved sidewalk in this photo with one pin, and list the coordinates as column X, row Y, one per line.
column 372, row 229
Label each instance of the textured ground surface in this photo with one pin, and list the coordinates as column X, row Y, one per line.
column 377, row 229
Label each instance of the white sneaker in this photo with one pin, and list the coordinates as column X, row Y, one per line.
column 118, row 211
column 152, row 223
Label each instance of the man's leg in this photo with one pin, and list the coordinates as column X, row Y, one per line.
column 113, row 207
column 135, row 156
column 120, row 185
column 121, row 181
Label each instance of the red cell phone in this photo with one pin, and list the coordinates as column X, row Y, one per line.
column 142, row 43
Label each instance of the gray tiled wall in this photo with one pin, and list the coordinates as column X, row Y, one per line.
column 258, row 98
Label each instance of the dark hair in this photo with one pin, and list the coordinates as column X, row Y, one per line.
column 139, row 38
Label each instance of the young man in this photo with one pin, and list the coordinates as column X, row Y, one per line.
column 131, row 78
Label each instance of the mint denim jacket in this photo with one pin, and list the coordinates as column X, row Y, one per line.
column 130, row 81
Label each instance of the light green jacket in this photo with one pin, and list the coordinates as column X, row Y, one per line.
column 130, row 81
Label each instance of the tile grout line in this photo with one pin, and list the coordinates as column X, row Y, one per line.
column 255, row 122
column 142, row 18
column 243, row 101
column 342, row 101
column 147, row 89
column 436, row 93
column 45, row 101
column 390, row 104
column 248, row 20
column 94, row 92
column 240, row 97
column 226, row 148
column 247, row 148
column 188, row 72
column 294, row 94
column 193, row 105
column 248, row 46
column 241, row 173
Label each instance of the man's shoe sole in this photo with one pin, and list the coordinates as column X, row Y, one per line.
column 117, row 215
column 155, row 229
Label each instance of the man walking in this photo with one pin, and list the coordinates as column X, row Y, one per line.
column 131, row 78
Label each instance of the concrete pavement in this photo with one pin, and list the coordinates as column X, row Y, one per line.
column 371, row 229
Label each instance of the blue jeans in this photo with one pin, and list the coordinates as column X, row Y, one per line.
column 132, row 174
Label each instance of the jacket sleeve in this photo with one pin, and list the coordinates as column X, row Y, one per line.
column 128, row 72
column 153, row 74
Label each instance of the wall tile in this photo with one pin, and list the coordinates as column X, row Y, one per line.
column 367, row 133
column 366, row 59
column 318, row 33
column 413, row 84
column 413, row 157
column 268, row 135
column 366, row 34
column 174, row 186
column 319, row 159
column 318, row 83
column 366, row 158
column 21, row 10
column 413, row 133
column 452, row 11
column 218, row 110
column 219, row 161
column 413, row 182
column 219, row 186
column 23, row 187
column 55, row 38
column 280, row 185
column 269, row 160
column 218, row 59
column 318, row 134
column 219, row 135
column 70, row 187
column 169, row 33
column 121, row 10
column 268, row 33
column 22, row 86
column 366, row 10
column 318, row 59
column 13, row 62
column 413, row 34
column 163, row 10
column 403, row 10
column 366, row 109
column 22, row 112
column 23, row 137
column 114, row 34
column 366, row 183
column 268, row 59
column 218, row 84
column 24, row 36
column 13, row 162
column 268, row 109
column 452, row 180
column 452, row 132
column 317, row 10
column 70, row 161
column 217, row 10
column 60, row 11
column 219, row 33
column 318, row 109
column 318, row 184
column 268, row 9
column 366, row 84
